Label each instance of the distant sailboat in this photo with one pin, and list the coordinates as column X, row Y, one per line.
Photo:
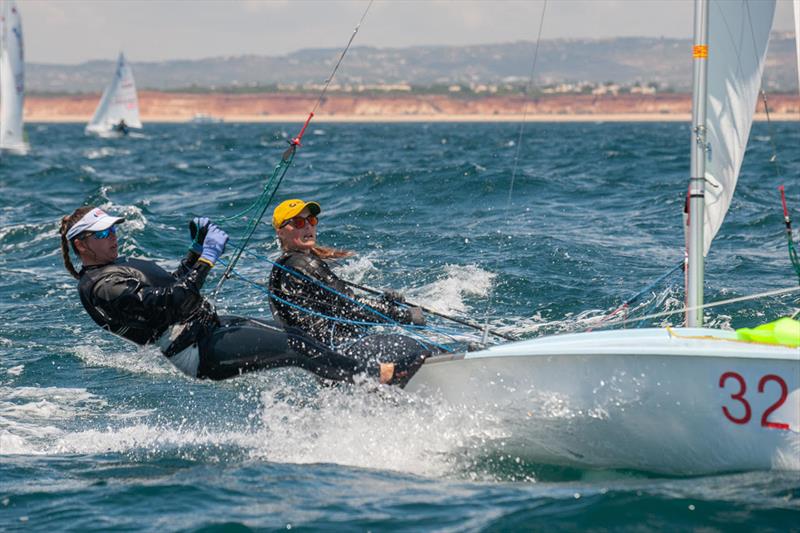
column 118, row 109
column 12, row 80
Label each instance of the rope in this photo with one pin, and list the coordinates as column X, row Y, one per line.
column 440, row 330
column 626, row 304
column 341, row 57
column 790, row 242
column 778, row 292
column 269, row 191
column 484, row 340
column 525, row 109
column 264, row 201
column 409, row 328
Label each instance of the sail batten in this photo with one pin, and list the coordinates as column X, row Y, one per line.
column 12, row 80
column 119, row 102
column 738, row 36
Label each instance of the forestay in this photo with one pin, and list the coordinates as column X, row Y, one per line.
column 738, row 35
column 119, row 102
column 12, row 80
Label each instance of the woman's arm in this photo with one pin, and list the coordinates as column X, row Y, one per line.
column 343, row 302
column 124, row 295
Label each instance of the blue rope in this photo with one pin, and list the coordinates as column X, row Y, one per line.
column 440, row 330
column 653, row 285
column 391, row 322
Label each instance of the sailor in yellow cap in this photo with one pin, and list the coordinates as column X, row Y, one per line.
column 310, row 298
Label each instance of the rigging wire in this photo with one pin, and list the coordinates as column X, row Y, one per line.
column 287, row 158
column 413, row 330
column 341, row 57
column 627, row 303
column 793, row 257
column 525, row 109
column 527, row 90
column 771, row 129
column 758, row 296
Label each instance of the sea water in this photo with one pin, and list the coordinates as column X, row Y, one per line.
column 96, row 434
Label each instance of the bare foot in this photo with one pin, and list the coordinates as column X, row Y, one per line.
column 387, row 372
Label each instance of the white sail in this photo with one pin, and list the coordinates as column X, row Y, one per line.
column 797, row 38
column 738, row 35
column 119, row 102
column 12, row 80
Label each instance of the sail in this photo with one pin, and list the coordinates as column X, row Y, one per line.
column 12, row 80
column 119, row 102
column 738, row 34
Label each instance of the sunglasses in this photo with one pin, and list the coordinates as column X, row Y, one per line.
column 300, row 222
column 103, row 234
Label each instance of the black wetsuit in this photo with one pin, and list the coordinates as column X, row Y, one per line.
column 122, row 127
column 140, row 301
column 302, row 282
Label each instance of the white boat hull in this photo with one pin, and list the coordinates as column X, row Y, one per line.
column 683, row 401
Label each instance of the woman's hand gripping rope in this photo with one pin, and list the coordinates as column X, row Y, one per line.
column 213, row 244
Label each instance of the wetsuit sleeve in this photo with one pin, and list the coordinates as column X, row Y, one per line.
column 349, row 306
column 127, row 299
column 186, row 265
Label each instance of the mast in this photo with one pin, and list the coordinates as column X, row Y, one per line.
column 694, row 280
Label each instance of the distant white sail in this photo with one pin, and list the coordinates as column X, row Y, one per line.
column 119, row 102
column 12, row 80
column 738, row 34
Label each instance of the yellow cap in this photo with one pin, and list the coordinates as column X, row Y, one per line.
column 290, row 209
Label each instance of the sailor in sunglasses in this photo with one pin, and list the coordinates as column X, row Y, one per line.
column 308, row 297
column 141, row 302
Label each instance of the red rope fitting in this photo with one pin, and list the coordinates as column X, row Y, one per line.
column 783, row 200
column 296, row 140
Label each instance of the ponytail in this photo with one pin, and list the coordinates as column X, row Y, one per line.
column 324, row 252
column 66, row 223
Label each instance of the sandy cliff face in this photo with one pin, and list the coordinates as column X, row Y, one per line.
column 158, row 106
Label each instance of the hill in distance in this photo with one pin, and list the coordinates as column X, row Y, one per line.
column 665, row 63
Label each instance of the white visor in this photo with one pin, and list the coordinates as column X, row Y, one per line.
column 94, row 220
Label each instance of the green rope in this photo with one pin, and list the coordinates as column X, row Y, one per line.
column 261, row 205
column 793, row 257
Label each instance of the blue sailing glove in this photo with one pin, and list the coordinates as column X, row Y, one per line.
column 213, row 245
column 197, row 229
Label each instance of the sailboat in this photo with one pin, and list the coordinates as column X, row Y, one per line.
column 12, row 80
column 118, row 109
column 683, row 400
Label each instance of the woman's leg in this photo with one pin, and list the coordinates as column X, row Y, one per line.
column 241, row 344
column 404, row 353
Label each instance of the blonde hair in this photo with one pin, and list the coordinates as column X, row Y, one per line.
column 324, row 252
column 66, row 223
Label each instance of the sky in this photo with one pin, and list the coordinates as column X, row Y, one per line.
column 74, row 31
